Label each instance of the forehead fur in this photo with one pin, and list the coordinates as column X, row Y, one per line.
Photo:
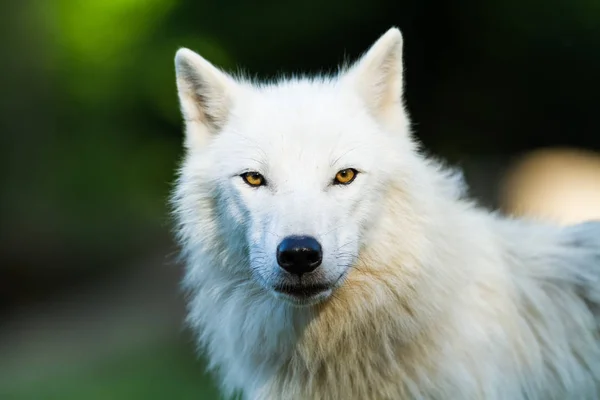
column 320, row 120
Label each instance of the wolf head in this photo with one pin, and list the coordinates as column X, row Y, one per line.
column 282, row 182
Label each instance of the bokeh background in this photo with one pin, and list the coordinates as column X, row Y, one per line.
column 91, row 135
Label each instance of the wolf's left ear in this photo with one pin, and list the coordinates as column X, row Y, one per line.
column 205, row 96
column 378, row 74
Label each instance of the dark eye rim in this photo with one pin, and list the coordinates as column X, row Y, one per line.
column 336, row 182
column 245, row 175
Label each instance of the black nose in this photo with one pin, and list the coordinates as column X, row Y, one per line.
column 299, row 254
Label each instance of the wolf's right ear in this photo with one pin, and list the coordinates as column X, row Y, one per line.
column 205, row 95
column 378, row 74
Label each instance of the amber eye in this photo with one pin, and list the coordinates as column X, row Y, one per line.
column 253, row 178
column 345, row 176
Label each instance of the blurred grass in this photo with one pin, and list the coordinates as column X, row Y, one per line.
column 153, row 373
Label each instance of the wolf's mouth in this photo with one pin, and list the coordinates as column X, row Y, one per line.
column 302, row 290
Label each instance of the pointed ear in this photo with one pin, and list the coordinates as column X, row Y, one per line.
column 205, row 96
column 378, row 74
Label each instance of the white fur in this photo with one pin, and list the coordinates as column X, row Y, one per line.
column 434, row 298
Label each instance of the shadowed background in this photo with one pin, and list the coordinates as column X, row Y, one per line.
column 91, row 135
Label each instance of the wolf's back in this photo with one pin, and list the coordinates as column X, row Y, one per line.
column 582, row 242
column 565, row 257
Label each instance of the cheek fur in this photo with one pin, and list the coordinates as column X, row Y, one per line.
column 235, row 205
column 358, row 204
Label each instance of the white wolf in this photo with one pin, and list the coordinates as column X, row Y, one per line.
column 327, row 258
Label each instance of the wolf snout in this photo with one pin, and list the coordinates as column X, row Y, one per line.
column 299, row 254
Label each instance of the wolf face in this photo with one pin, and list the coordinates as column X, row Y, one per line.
column 294, row 171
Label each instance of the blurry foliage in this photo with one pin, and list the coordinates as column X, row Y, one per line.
column 156, row 373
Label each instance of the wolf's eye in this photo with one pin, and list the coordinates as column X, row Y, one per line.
column 345, row 176
column 253, row 179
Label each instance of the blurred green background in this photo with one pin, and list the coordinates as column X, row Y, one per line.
column 91, row 135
